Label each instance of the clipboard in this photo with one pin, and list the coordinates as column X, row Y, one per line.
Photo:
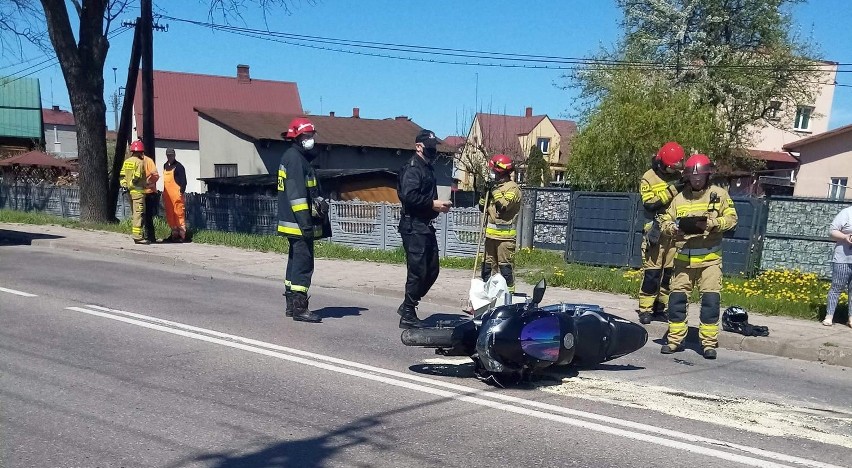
column 689, row 224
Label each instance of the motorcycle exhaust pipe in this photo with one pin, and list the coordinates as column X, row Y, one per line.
column 428, row 337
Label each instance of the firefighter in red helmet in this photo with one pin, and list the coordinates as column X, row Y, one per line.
column 696, row 220
column 302, row 216
column 657, row 188
column 504, row 204
column 133, row 180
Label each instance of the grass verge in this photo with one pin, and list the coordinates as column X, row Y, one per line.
column 773, row 293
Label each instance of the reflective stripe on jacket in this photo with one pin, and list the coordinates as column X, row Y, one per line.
column 656, row 191
column 133, row 175
column 297, row 190
column 700, row 250
column 503, row 209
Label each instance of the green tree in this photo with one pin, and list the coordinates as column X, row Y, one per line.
column 538, row 170
column 738, row 57
column 617, row 140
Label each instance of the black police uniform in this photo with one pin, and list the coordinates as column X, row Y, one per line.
column 417, row 190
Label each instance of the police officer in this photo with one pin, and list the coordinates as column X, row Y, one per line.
column 302, row 217
column 418, row 194
column 504, row 204
column 696, row 219
column 658, row 187
column 133, row 180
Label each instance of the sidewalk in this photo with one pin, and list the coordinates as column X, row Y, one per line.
column 792, row 338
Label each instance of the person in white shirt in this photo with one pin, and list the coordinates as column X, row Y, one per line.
column 841, row 265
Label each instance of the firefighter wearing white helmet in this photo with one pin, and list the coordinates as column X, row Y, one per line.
column 302, row 216
column 657, row 188
column 504, row 204
column 696, row 219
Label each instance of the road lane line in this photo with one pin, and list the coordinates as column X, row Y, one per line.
column 488, row 394
column 469, row 394
column 19, row 293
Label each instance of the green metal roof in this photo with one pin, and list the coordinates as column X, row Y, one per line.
column 20, row 108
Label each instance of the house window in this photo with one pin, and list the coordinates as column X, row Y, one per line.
column 224, row 170
column 837, row 188
column 803, row 118
column 543, row 144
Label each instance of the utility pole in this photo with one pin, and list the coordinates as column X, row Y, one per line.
column 147, row 29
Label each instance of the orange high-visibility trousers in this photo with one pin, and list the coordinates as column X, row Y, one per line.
column 173, row 201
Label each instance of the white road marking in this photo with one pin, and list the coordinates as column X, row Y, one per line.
column 467, row 394
column 19, row 293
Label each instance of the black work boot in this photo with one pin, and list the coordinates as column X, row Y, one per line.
column 644, row 318
column 300, row 309
column 667, row 349
column 709, row 353
column 408, row 317
column 288, row 297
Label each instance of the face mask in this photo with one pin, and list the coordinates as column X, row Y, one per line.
column 430, row 153
column 492, row 176
column 308, row 144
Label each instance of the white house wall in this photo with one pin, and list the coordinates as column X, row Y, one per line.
column 60, row 140
column 772, row 138
column 221, row 146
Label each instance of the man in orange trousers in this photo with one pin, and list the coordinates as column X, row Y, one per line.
column 174, row 187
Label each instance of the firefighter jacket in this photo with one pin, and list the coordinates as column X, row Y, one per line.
column 504, row 204
column 301, row 210
column 714, row 202
column 417, row 190
column 133, row 175
column 657, row 192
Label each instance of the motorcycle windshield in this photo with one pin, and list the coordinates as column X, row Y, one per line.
column 541, row 338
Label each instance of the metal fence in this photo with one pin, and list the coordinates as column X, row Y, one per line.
column 358, row 224
column 605, row 228
column 589, row 227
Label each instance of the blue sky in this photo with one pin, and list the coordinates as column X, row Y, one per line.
column 441, row 97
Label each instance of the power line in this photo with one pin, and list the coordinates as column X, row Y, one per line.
column 54, row 60
column 552, row 62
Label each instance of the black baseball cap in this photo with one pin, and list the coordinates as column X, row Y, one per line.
column 427, row 137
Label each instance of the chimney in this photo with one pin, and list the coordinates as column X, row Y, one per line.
column 402, row 117
column 529, row 112
column 243, row 74
column 356, row 113
column 56, row 108
column 331, row 114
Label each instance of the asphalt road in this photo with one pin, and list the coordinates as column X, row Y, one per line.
column 107, row 362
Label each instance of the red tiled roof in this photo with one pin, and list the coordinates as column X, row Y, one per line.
column 500, row 132
column 57, row 117
column 454, row 141
column 341, row 131
column 177, row 94
column 775, row 156
column 819, row 136
column 34, row 158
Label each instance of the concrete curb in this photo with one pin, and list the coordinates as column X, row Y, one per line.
column 827, row 352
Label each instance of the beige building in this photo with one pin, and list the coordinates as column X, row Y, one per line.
column 514, row 136
column 824, row 164
column 787, row 123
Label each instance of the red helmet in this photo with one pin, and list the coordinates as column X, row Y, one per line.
column 671, row 154
column 500, row 163
column 298, row 126
column 137, row 147
column 699, row 164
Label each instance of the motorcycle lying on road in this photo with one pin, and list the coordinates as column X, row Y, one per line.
column 511, row 342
